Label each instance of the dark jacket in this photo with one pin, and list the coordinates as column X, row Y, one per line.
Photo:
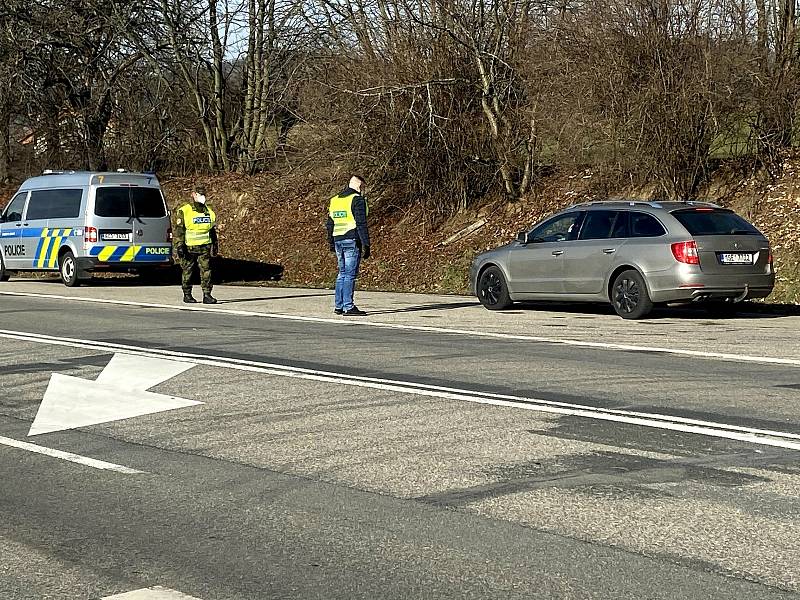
column 359, row 210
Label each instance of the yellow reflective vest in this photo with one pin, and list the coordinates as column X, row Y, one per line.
column 198, row 225
column 341, row 213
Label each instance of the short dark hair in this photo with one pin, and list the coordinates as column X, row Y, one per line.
column 200, row 189
column 360, row 178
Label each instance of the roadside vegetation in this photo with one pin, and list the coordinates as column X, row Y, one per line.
column 469, row 120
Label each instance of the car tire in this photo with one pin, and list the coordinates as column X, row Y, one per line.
column 493, row 290
column 4, row 276
column 629, row 295
column 68, row 269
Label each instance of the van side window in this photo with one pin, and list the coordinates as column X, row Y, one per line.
column 644, row 225
column 54, row 204
column 13, row 213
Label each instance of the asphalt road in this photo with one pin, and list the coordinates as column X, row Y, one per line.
column 430, row 450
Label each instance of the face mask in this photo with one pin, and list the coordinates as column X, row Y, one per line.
column 200, row 199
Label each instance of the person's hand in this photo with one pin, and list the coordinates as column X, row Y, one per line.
column 181, row 251
column 365, row 252
column 214, row 249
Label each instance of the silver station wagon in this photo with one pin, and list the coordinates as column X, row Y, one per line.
column 631, row 254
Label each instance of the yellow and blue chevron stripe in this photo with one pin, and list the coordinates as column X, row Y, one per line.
column 46, row 256
column 131, row 253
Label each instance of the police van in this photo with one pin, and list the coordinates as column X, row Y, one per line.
column 78, row 223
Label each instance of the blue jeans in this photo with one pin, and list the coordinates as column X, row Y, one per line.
column 349, row 257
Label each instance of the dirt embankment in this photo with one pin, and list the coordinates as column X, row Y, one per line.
column 280, row 220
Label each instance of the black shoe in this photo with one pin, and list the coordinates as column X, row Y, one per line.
column 188, row 298
column 209, row 299
column 355, row 311
column 337, row 311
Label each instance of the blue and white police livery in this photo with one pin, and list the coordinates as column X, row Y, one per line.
column 77, row 223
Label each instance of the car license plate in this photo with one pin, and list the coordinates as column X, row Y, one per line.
column 115, row 237
column 736, row 258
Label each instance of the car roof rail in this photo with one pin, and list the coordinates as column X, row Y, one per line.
column 701, row 203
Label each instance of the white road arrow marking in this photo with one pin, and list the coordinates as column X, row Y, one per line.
column 120, row 392
column 153, row 593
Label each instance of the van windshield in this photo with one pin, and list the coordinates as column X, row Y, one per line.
column 714, row 222
column 129, row 201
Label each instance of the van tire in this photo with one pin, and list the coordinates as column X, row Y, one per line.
column 68, row 269
column 4, row 276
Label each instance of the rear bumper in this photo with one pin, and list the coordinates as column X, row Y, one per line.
column 89, row 264
column 689, row 283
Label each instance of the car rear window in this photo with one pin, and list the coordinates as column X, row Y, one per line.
column 148, row 203
column 714, row 222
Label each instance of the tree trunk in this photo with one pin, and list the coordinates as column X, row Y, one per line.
column 5, row 145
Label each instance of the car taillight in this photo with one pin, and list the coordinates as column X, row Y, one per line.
column 769, row 258
column 686, row 252
column 90, row 235
column 169, row 234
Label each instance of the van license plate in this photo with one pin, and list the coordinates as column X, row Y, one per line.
column 115, row 237
column 736, row 258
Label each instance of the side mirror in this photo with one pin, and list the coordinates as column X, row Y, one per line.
column 522, row 237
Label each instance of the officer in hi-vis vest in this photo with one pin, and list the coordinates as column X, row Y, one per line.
column 348, row 237
column 195, row 241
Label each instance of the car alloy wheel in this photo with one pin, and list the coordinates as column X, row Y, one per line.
column 626, row 295
column 629, row 296
column 492, row 289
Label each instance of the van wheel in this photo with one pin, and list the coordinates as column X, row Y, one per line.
column 68, row 269
column 629, row 295
column 4, row 276
column 493, row 289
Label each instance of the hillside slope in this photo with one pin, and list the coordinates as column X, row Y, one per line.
column 279, row 219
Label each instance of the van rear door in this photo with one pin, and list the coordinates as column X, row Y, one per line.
column 113, row 222
column 132, row 224
column 151, row 222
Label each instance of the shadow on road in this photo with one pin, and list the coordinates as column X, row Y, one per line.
column 294, row 296
column 746, row 310
column 424, row 307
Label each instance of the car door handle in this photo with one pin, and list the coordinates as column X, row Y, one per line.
column 558, row 252
column 609, row 250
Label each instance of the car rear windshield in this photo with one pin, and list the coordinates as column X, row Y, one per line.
column 714, row 222
column 129, row 201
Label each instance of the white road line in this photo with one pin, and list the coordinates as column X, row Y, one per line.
column 723, row 356
column 659, row 421
column 69, row 456
column 152, row 593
